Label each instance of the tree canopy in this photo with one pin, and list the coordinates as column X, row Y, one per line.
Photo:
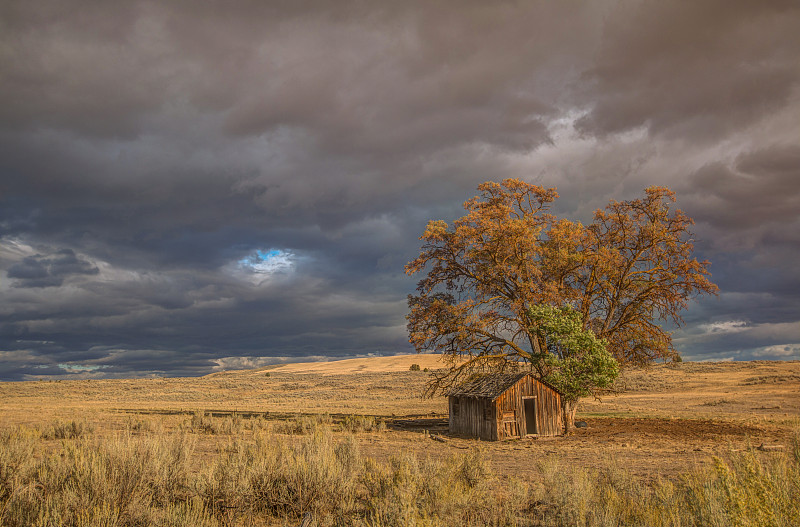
column 624, row 275
column 573, row 360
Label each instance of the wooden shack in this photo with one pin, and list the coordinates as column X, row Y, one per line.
column 501, row 406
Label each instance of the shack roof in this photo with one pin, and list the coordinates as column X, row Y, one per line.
column 490, row 385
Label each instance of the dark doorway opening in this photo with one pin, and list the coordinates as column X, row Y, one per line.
column 529, row 404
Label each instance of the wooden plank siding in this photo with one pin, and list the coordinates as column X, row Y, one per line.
column 505, row 416
column 470, row 417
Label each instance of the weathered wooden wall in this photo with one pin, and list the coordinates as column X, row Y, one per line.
column 504, row 417
column 471, row 419
column 549, row 420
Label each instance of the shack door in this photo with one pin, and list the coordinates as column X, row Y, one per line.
column 529, row 406
column 510, row 424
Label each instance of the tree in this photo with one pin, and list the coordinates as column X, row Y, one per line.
column 573, row 359
column 631, row 269
column 637, row 270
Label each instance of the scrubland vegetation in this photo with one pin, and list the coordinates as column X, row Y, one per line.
column 274, row 473
column 675, row 445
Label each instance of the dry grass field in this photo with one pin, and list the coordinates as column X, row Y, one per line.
column 663, row 423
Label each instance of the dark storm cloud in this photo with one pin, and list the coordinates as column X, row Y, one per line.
column 693, row 70
column 767, row 180
column 292, row 319
column 149, row 151
column 749, row 211
column 50, row 271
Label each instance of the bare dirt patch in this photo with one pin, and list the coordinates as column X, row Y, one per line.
column 685, row 430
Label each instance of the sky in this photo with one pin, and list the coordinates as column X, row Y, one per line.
column 193, row 186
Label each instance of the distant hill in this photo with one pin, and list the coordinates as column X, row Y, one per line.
column 349, row 366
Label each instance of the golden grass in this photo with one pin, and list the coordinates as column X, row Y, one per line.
column 260, row 477
column 668, row 423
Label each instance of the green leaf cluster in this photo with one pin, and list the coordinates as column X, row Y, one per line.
column 572, row 358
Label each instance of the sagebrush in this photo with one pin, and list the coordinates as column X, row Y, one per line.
column 261, row 477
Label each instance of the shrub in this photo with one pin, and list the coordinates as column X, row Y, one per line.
column 203, row 423
column 456, row 491
column 744, row 490
column 303, row 425
column 128, row 480
column 363, row 423
column 67, row 430
column 150, row 426
column 257, row 423
column 118, row 481
column 269, row 475
column 414, row 367
column 16, row 461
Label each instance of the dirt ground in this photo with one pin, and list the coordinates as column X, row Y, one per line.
column 662, row 421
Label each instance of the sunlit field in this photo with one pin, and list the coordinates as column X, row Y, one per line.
column 352, row 443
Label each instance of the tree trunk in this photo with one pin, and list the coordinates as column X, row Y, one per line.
column 568, row 409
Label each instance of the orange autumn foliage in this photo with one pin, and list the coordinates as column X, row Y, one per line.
column 627, row 272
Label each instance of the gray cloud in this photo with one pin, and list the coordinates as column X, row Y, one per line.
column 50, row 271
column 747, row 210
column 766, row 180
column 151, row 150
column 693, row 70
